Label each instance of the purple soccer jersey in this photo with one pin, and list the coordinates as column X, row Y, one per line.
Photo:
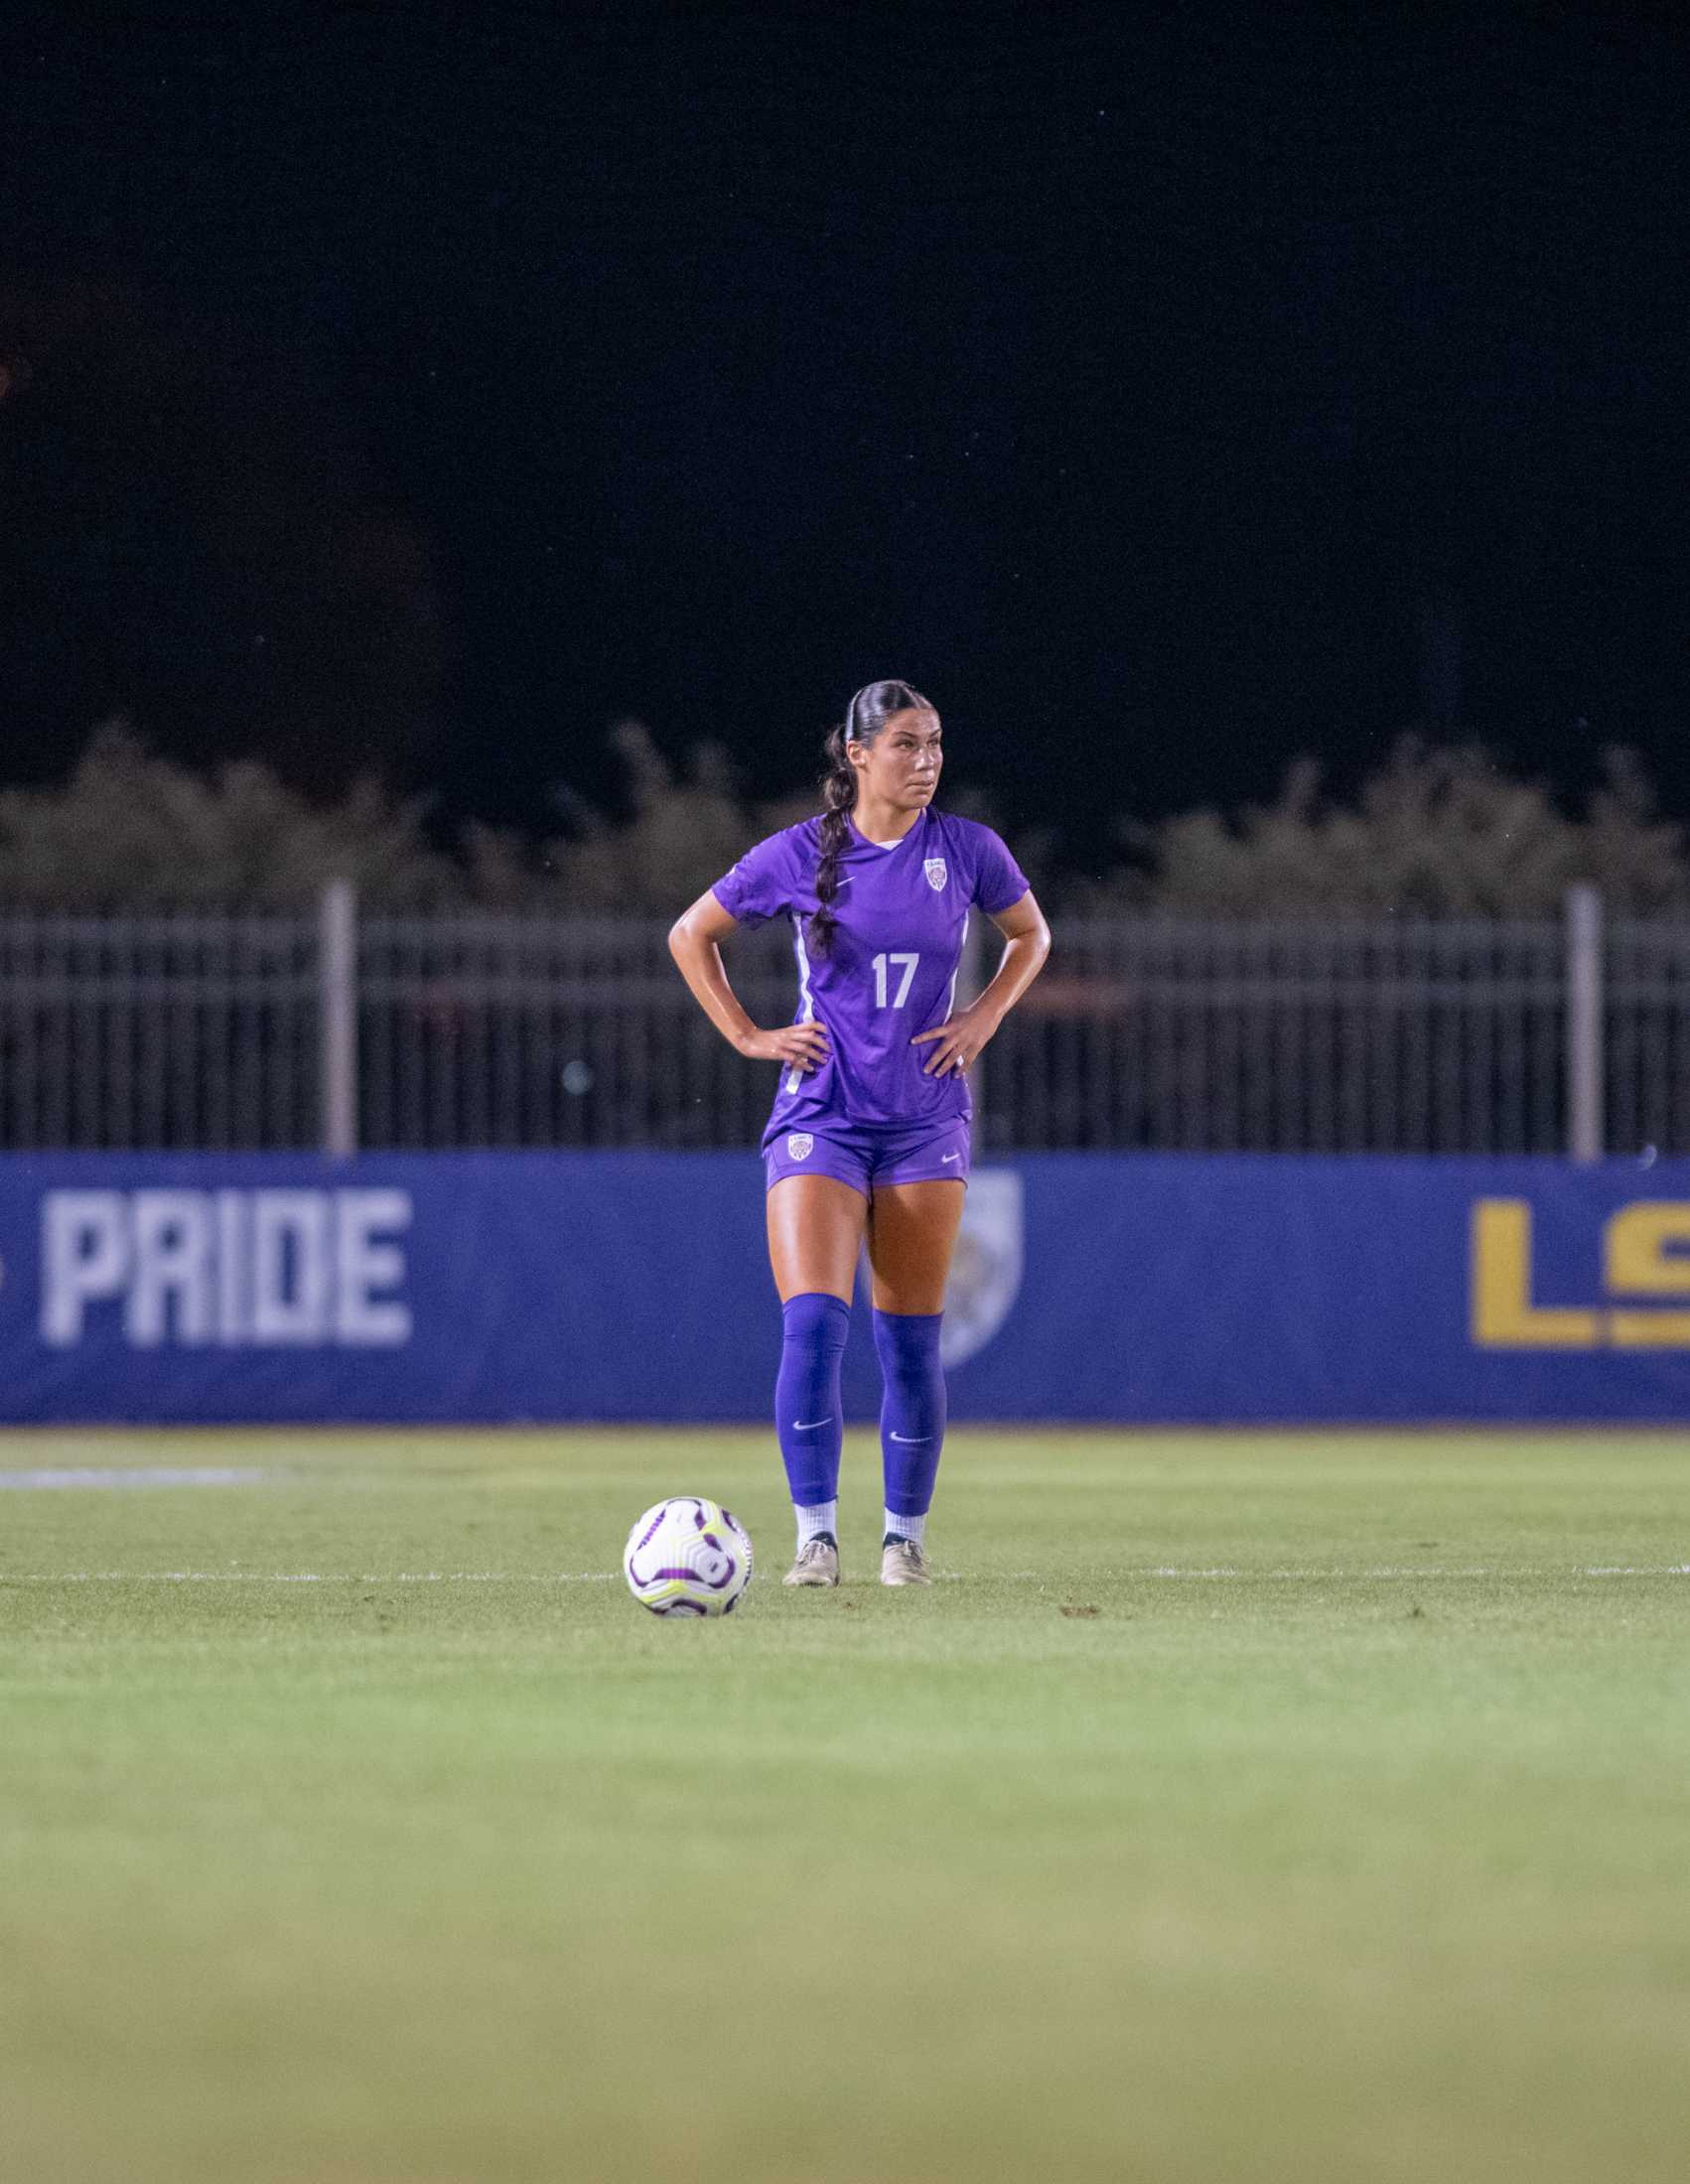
column 901, row 916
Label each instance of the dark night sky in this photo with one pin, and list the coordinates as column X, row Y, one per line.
column 433, row 386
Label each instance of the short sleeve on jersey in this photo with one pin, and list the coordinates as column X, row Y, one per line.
column 1000, row 881
column 763, row 882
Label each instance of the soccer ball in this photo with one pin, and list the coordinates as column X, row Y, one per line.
column 688, row 1557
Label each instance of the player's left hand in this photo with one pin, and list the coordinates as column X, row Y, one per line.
column 960, row 1040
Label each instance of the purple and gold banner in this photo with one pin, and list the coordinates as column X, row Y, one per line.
column 1141, row 1288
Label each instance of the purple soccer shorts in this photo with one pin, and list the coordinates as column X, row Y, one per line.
column 864, row 1155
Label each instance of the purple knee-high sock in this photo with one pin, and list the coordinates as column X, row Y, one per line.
column 911, row 1412
column 808, row 1416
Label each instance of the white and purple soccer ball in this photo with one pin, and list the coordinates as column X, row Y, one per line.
column 688, row 1557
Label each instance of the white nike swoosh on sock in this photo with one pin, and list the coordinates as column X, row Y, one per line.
column 910, row 1440
column 809, row 1425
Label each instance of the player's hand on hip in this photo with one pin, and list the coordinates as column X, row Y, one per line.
column 798, row 1046
column 959, row 1040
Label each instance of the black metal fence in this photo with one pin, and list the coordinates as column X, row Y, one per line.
column 240, row 1030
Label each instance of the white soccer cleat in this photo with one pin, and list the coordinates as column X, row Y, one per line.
column 902, row 1562
column 817, row 1562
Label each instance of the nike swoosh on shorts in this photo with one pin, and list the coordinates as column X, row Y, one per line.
column 950, row 1155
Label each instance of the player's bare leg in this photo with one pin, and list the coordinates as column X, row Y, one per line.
column 912, row 1233
column 911, row 1230
column 816, row 1233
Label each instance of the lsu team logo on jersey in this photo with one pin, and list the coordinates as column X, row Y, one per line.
column 935, row 872
column 800, row 1145
column 985, row 1275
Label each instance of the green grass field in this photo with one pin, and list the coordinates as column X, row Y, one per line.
column 1250, row 1808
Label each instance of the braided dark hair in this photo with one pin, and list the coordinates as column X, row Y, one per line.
column 865, row 717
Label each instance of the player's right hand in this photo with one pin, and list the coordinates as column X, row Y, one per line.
column 798, row 1046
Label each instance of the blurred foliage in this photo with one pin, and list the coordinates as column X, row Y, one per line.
column 131, row 828
column 680, row 835
column 1437, row 832
column 134, row 829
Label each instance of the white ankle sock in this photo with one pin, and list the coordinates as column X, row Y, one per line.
column 907, row 1527
column 824, row 1517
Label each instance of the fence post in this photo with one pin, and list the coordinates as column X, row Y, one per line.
column 337, row 1009
column 1583, row 925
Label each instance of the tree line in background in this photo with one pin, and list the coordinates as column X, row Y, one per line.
column 1434, row 832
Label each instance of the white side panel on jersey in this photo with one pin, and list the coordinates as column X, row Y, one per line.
column 950, row 999
column 807, row 1009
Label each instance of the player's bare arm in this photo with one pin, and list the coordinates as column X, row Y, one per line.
column 695, row 942
column 963, row 1036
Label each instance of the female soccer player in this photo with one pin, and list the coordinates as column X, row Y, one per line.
column 869, row 1132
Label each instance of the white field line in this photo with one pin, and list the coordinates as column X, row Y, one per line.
column 951, row 1576
column 306, row 1578
column 1356, row 1576
column 130, row 1479
column 1474, row 1570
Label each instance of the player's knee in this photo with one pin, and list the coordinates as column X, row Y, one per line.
column 908, row 1343
column 817, row 1320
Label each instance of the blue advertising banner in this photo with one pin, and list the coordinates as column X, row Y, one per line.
column 553, row 1285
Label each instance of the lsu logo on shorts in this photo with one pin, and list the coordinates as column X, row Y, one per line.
column 800, row 1145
